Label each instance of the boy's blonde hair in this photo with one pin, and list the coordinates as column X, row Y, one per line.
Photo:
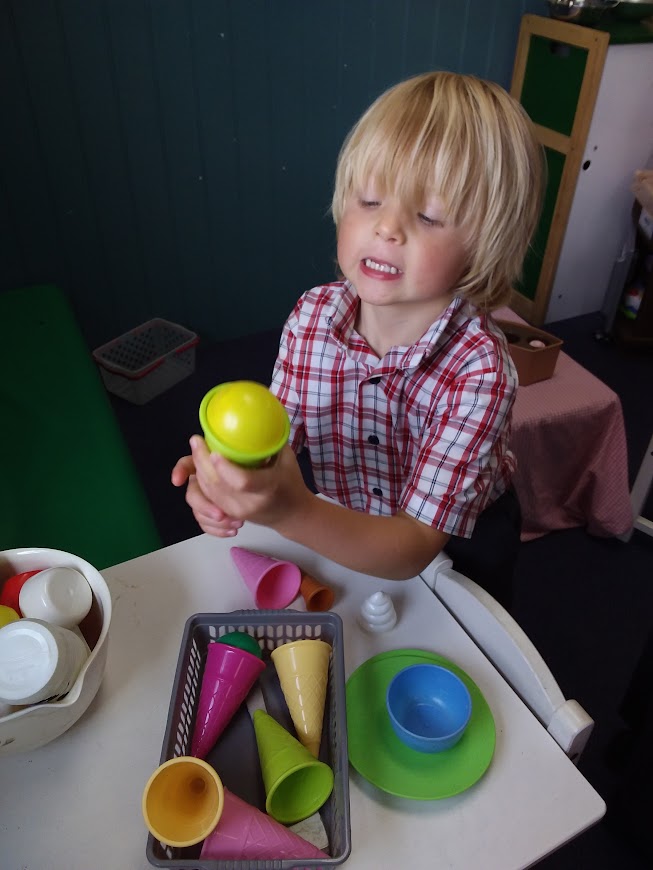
column 469, row 142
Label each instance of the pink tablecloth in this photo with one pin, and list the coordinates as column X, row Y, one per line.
column 570, row 444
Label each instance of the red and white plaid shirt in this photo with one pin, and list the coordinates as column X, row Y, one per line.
column 424, row 430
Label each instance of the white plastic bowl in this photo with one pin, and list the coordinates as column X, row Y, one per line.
column 32, row 727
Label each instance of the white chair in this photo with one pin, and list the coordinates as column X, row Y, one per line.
column 639, row 494
column 512, row 653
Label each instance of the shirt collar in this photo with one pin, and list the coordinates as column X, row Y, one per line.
column 343, row 318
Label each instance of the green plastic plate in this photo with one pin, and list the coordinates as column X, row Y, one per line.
column 380, row 757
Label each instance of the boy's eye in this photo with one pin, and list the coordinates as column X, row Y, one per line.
column 368, row 203
column 430, row 222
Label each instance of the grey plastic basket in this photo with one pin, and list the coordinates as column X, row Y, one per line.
column 147, row 360
column 235, row 751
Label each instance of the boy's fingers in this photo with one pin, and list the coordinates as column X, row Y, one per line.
column 206, row 511
column 238, row 477
column 200, row 503
column 202, row 458
column 182, row 471
column 228, row 471
column 198, row 447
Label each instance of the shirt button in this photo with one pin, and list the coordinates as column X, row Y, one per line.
column 377, row 491
column 373, row 439
column 375, row 380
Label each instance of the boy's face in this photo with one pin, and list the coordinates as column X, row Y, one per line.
column 394, row 254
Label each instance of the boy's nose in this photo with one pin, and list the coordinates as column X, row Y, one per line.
column 389, row 225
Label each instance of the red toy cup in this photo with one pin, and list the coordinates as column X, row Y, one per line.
column 10, row 592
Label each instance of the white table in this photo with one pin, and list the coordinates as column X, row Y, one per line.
column 75, row 803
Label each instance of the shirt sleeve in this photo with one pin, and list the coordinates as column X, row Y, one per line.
column 284, row 381
column 464, row 461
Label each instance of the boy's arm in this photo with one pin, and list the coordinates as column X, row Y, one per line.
column 395, row 548
column 276, row 496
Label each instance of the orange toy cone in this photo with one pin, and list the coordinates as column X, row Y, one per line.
column 245, row 833
column 317, row 596
column 303, row 670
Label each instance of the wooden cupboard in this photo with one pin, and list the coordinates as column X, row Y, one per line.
column 590, row 94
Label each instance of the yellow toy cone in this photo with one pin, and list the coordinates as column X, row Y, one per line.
column 183, row 801
column 303, row 669
column 296, row 784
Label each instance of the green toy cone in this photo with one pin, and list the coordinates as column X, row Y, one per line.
column 296, row 783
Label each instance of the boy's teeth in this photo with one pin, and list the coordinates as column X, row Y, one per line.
column 381, row 267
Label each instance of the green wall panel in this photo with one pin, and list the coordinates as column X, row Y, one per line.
column 553, row 68
column 533, row 263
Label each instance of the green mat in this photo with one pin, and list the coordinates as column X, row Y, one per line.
column 68, row 479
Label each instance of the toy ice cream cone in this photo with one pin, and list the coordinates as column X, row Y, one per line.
column 296, row 783
column 303, row 669
column 244, row 421
column 183, row 801
column 318, row 596
column 245, row 833
column 273, row 583
column 229, row 674
column 242, row 639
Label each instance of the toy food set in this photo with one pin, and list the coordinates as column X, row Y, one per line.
column 407, row 766
column 55, row 613
column 378, row 613
column 269, row 770
column 243, row 421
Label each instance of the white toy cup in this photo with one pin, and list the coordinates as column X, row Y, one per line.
column 38, row 661
column 59, row 595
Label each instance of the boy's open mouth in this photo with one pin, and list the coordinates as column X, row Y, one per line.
column 381, row 268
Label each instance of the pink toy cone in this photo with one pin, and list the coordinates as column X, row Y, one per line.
column 245, row 833
column 229, row 674
column 273, row 583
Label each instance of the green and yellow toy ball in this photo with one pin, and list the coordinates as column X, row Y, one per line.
column 7, row 615
column 242, row 640
column 243, row 421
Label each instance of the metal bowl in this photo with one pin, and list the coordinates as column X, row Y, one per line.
column 580, row 11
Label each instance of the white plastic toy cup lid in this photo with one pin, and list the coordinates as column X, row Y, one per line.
column 37, row 661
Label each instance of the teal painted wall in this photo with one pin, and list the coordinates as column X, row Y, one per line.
column 174, row 158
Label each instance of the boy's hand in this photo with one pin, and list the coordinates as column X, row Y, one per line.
column 209, row 516
column 269, row 495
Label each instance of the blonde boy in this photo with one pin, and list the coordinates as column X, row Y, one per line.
column 396, row 380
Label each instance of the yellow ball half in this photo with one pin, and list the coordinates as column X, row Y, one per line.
column 7, row 615
column 244, row 421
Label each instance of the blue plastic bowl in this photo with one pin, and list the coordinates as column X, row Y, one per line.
column 429, row 707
